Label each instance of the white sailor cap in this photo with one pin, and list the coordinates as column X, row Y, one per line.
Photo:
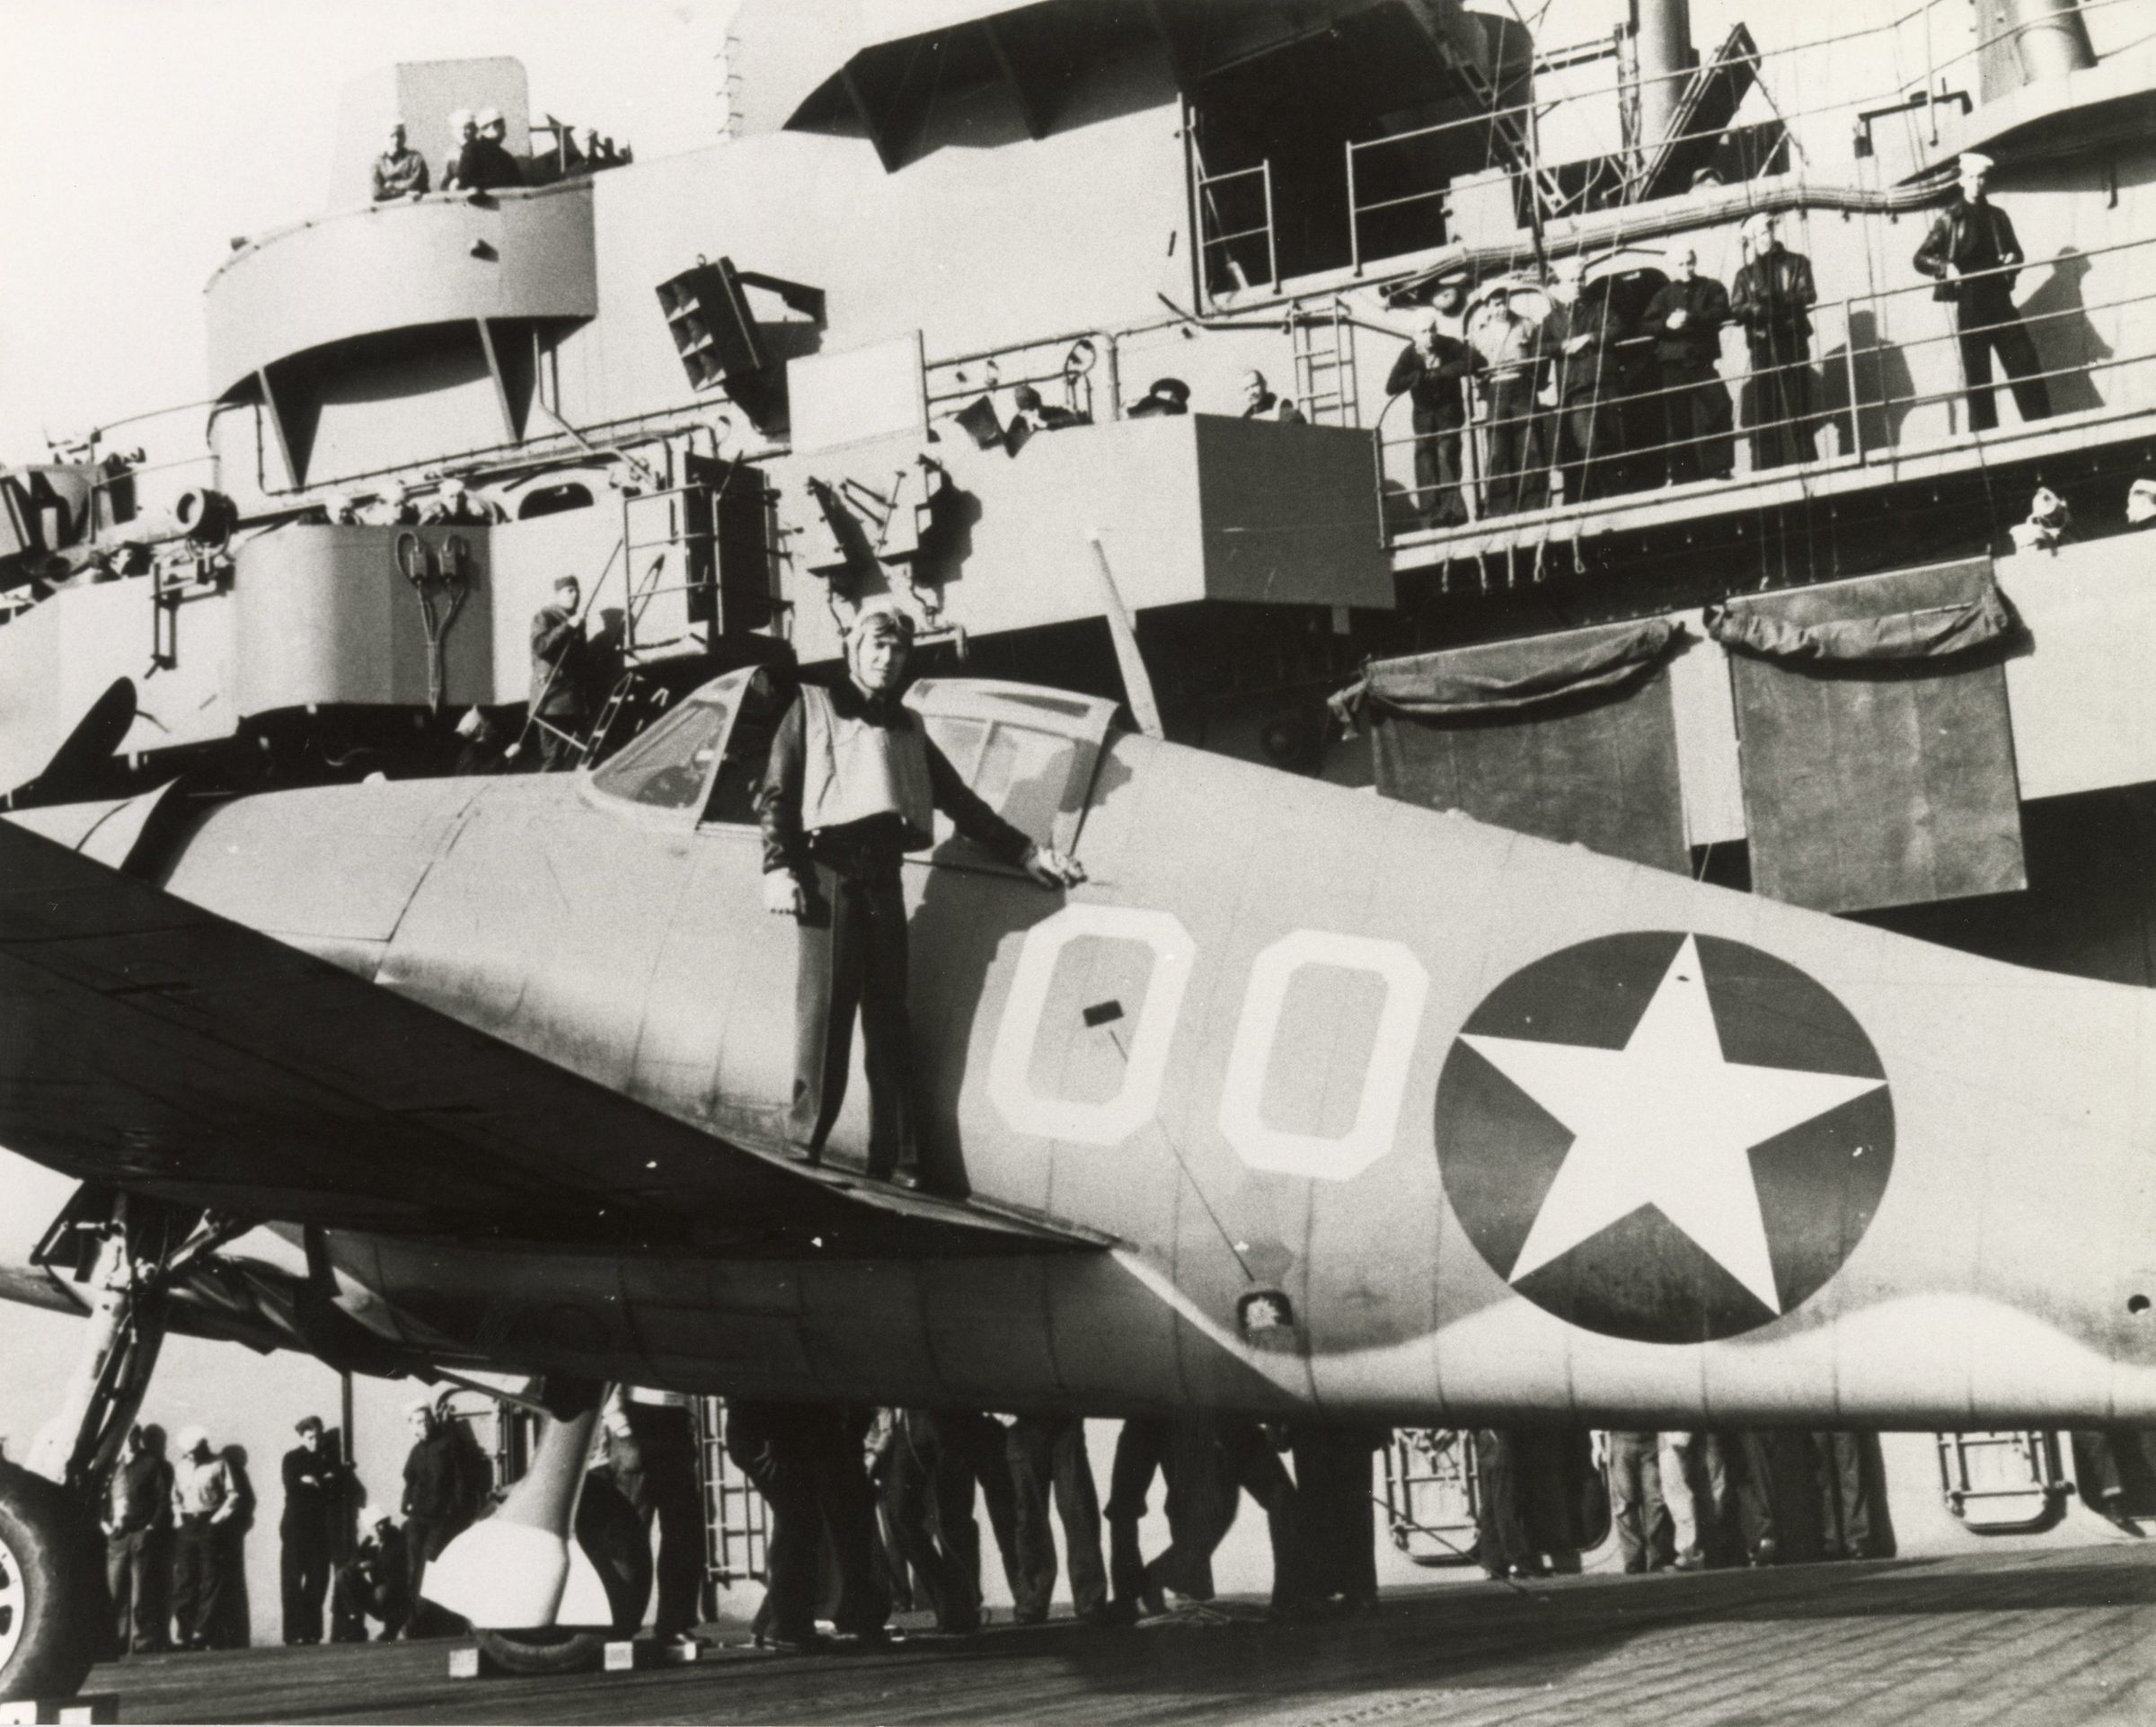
column 1972, row 162
column 2141, row 500
column 487, row 117
column 191, row 1439
column 460, row 118
column 1757, row 224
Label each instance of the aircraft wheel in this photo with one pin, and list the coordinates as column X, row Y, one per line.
column 616, row 1541
column 53, row 1608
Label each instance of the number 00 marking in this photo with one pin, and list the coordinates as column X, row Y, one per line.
column 1384, row 1075
column 1113, row 1119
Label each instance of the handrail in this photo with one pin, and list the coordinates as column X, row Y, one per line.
column 1546, row 441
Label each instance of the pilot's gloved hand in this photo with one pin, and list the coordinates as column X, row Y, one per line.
column 782, row 896
column 1052, row 869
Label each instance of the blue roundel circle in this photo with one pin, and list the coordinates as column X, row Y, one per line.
column 1663, row 1137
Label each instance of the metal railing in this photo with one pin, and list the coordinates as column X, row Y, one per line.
column 1917, row 84
column 1581, row 447
column 1065, row 363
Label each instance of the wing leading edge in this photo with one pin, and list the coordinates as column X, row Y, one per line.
column 151, row 1044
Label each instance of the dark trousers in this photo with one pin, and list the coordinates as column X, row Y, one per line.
column 362, row 1590
column 657, row 1473
column 1048, row 1459
column 1754, row 1450
column 1334, row 1527
column 1696, row 420
column 303, row 1573
column 201, row 1582
column 1589, row 445
column 1985, row 319
column 1211, row 1466
column 1501, row 1530
column 1512, row 484
column 1845, row 1505
column 929, row 1494
column 852, row 959
column 791, row 1544
column 1781, row 406
column 1636, row 1497
column 138, row 1569
column 1439, row 496
column 1140, row 1453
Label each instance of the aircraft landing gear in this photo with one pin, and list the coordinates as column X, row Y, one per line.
column 55, row 1616
column 563, row 1564
column 53, row 1610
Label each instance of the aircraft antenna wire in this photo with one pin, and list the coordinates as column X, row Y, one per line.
column 1175, row 1151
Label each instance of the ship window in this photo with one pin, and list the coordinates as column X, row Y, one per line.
column 552, row 501
column 668, row 767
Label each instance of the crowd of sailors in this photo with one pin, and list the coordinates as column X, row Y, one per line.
column 874, row 1511
column 1607, row 392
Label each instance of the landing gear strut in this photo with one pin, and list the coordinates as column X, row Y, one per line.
column 55, row 1616
column 561, row 1565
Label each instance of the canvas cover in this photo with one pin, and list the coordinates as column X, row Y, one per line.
column 1874, row 741
column 1568, row 737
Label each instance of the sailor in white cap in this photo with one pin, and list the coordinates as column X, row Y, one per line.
column 852, row 785
column 464, row 127
column 203, row 1501
column 1973, row 254
column 2140, row 503
column 1773, row 297
column 483, row 166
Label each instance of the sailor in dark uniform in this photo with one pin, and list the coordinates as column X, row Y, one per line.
column 1973, row 254
column 852, row 785
column 1685, row 318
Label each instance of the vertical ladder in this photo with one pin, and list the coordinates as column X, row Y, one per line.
column 736, row 1523
column 1325, row 386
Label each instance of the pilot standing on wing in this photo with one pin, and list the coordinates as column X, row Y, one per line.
column 852, row 786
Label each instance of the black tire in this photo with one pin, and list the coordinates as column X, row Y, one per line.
column 55, row 1619
column 616, row 1541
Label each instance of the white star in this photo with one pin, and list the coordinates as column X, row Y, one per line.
column 1666, row 1121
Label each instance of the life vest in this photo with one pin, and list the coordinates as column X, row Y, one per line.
column 853, row 769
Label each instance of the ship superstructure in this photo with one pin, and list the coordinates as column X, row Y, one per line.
column 740, row 391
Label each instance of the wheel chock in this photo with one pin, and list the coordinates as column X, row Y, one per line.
column 92, row 1708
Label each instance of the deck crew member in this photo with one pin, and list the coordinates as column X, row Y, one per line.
column 1591, row 431
column 561, row 660
column 1047, row 416
column 1685, row 318
column 314, row 1482
column 1511, row 350
column 1695, row 1488
column 203, row 1501
column 1432, row 371
column 852, row 785
column 138, row 1542
column 1164, row 396
column 1048, row 1459
column 462, row 128
column 482, row 163
column 651, row 1446
column 399, row 171
column 375, row 1580
column 1773, row 298
column 1974, row 255
column 1334, row 1529
column 445, row 1483
column 1844, row 1498
column 1259, row 401
column 1211, row 1462
column 776, row 1447
column 1636, row 1497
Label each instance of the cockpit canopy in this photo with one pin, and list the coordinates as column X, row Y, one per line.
column 1029, row 753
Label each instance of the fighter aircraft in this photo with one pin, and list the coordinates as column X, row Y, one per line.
column 1305, row 1103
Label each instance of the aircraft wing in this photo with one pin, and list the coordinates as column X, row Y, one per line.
column 152, row 1045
